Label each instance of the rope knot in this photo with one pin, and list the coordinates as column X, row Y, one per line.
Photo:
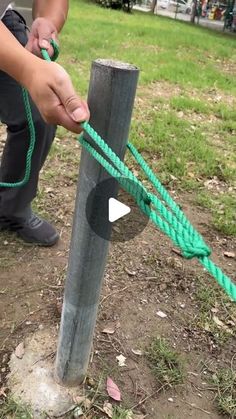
column 196, row 249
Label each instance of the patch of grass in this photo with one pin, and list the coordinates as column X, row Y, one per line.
column 13, row 410
column 224, row 381
column 182, row 103
column 216, row 314
column 165, row 363
column 179, row 148
column 120, row 413
column 163, row 49
column 222, row 208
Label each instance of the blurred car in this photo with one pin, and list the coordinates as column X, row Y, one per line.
column 182, row 6
column 163, row 4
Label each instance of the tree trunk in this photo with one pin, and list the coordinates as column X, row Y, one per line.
column 153, row 6
column 194, row 10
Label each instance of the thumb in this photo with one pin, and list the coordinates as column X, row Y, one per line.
column 74, row 106
column 77, row 109
column 43, row 43
column 45, row 33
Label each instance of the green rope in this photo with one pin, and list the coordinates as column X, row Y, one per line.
column 172, row 221
column 30, row 122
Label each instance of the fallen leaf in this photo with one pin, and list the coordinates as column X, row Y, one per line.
column 20, row 350
column 229, row 254
column 108, row 331
column 113, row 390
column 161, row 314
column 108, row 409
column 121, row 360
column 137, row 352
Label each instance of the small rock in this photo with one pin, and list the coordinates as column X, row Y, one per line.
column 170, row 400
column 108, row 331
column 229, row 254
column 121, row 360
column 20, row 350
column 137, row 352
column 161, row 314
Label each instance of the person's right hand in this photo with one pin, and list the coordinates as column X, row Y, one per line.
column 53, row 93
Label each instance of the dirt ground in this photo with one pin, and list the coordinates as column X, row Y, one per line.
column 143, row 276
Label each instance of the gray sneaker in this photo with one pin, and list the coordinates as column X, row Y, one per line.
column 33, row 230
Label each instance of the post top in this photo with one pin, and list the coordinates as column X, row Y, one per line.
column 115, row 64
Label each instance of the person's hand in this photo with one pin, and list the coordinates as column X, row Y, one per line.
column 42, row 31
column 52, row 91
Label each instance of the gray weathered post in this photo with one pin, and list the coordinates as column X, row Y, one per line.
column 111, row 97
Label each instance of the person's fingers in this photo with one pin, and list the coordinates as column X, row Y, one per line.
column 76, row 108
column 62, row 118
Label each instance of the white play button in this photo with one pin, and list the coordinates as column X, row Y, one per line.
column 116, row 210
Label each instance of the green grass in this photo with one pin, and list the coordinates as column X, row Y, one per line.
column 185, row 121
column 224, row 381
column 13, row 410
column 165, row 363
column 224, row 215
column 216, row 314
column 161, row 48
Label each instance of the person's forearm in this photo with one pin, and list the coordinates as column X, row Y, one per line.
column 14, row 59
column 54, row 10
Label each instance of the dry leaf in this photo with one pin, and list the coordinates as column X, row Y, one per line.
column 20, row 350
column 108, row 409
column 161, row 314
column 137, row 352
column 229, row 254
column 113, row 390
column 108, row 331
column 121, row 360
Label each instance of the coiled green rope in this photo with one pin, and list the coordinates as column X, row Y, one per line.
column 29, row 118
column 169, row 218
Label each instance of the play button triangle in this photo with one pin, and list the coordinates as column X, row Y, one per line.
column 116, row 210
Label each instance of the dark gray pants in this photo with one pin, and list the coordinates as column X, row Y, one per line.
column 12, row 113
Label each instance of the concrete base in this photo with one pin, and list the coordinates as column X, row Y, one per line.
column 31, row 379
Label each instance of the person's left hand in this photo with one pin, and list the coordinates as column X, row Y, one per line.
column 42, row 31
